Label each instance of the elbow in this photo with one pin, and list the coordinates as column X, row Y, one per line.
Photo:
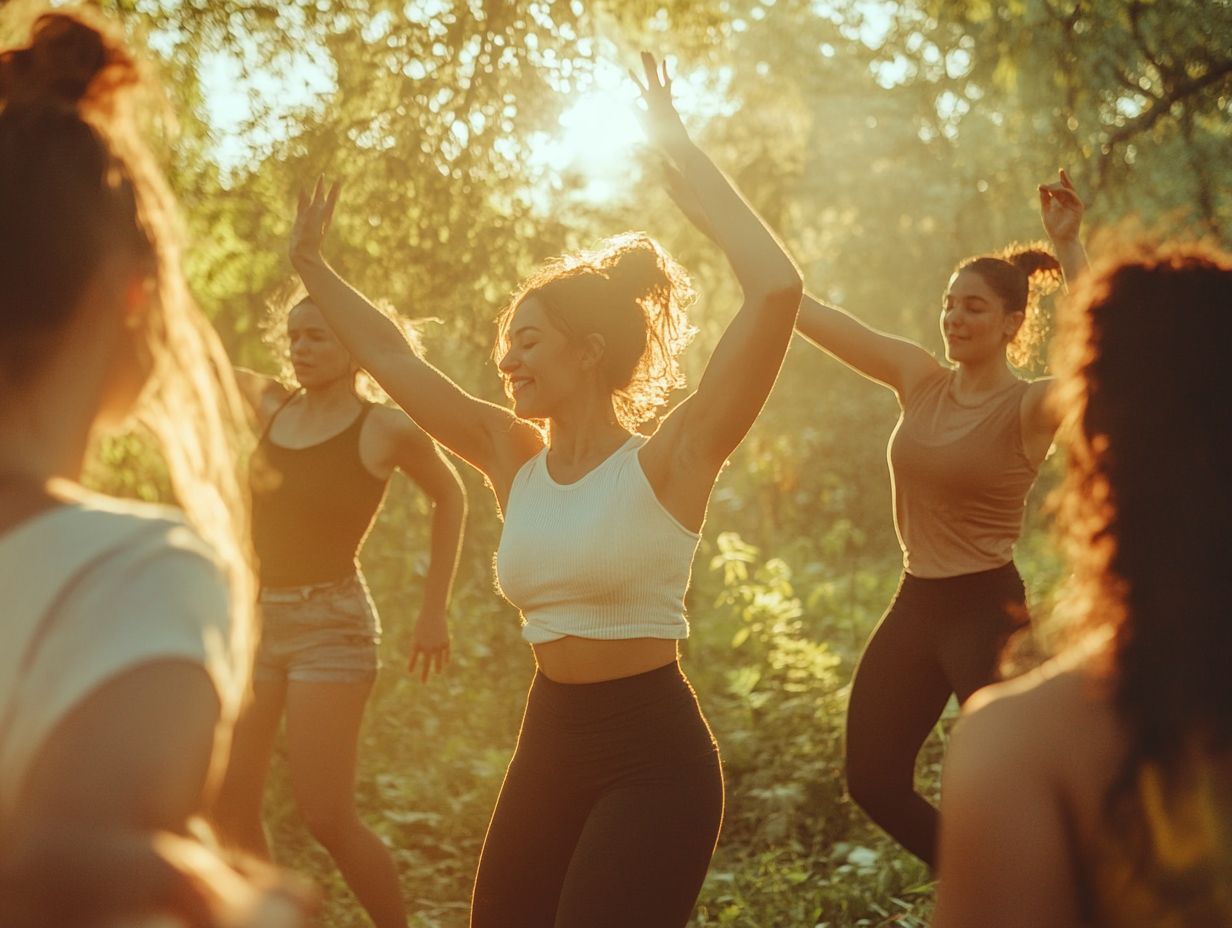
column 784, row 294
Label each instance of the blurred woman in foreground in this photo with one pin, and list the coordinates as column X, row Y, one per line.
column 125, row 638
column 1098, row 789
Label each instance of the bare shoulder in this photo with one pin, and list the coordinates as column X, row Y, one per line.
column 1050, row 716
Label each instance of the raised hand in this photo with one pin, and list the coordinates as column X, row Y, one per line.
column 312, row 217
column 660, row 119
column 1061, row 209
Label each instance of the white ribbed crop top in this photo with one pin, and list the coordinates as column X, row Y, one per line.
column 597, row 558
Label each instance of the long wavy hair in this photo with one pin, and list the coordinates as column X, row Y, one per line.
column 79, row 186
column 1147, row 505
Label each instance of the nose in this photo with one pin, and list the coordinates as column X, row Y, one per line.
column 507, row 362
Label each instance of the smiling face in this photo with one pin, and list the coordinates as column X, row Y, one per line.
column 317, row 356
column 974, row 322
column 542, row 367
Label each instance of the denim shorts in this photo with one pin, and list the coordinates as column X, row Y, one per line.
column 318, row 633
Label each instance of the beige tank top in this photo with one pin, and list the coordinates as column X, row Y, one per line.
column 960, row 477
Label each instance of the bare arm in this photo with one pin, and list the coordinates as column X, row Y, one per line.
column 896, row 362
column 487, row 436
column 259, row 393
column 746, row 362
column 1004, row 852
column 889, row 360
column 1061, row 210
column 420, row 459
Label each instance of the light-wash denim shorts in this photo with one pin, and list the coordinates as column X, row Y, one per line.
column 318, row 633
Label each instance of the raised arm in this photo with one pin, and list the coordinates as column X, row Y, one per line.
column 896, row 362
column 1061, row 210
column 708, row 426
column 889, row 360
column 487, row 436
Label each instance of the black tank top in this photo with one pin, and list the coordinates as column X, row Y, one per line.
column 311, row 507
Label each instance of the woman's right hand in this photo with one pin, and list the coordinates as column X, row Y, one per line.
column 312, row 218
column 660, row 119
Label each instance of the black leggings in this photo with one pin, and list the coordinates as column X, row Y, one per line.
column 939, row 637
column 609, row 812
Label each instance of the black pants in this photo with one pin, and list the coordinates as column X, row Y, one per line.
column 609, row 812
column 939, row 637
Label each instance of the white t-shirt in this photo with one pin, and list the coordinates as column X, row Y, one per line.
column 92, row 589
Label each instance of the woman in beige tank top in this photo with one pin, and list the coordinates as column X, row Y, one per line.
column 963, row 456
column 1097, row 790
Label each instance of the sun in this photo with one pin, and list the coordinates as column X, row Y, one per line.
column 596, row 136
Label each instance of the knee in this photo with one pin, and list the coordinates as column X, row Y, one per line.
column 871, row 784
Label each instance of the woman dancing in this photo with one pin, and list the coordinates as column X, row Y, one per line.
column 611, row 806
column 318, row 477
column 963, row 457
column 1097, row 790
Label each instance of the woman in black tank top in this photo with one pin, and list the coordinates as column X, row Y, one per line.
column 317, row 478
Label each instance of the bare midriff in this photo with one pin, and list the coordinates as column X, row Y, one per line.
column 590, row 660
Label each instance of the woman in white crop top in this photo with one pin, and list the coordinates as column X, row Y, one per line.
column 611, row 805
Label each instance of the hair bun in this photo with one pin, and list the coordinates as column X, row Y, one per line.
column 635, row 265
column 68, row 61
column 1032, row 261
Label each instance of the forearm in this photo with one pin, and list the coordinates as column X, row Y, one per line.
column 760, row 262
column 448, row 518
column 1073, row 259
column 363, row 329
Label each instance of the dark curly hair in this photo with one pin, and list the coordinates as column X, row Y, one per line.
column 1147, row 505
column 634, row 294
column 1020, row 275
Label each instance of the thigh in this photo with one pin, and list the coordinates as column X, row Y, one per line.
column 323, row 722
column 970, row 650
column 642, row 856
column 898, row 691
column 237, row 806
column 529, row 842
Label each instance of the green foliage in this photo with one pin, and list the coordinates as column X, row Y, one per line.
column 884, row 141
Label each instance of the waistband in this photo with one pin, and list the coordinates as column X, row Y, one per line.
column 1008, row 569
column 622, row 694
column 305, row 591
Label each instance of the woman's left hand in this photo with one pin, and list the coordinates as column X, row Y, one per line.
column 429, row 643
column 660, row 119
column 312, row 218
column 1061, row 209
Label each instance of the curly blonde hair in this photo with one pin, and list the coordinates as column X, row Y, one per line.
column 629, row 290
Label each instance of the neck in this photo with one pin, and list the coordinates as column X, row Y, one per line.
column 984, row 376
column 46, row 425
column 585, row 432
column 330, row 398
